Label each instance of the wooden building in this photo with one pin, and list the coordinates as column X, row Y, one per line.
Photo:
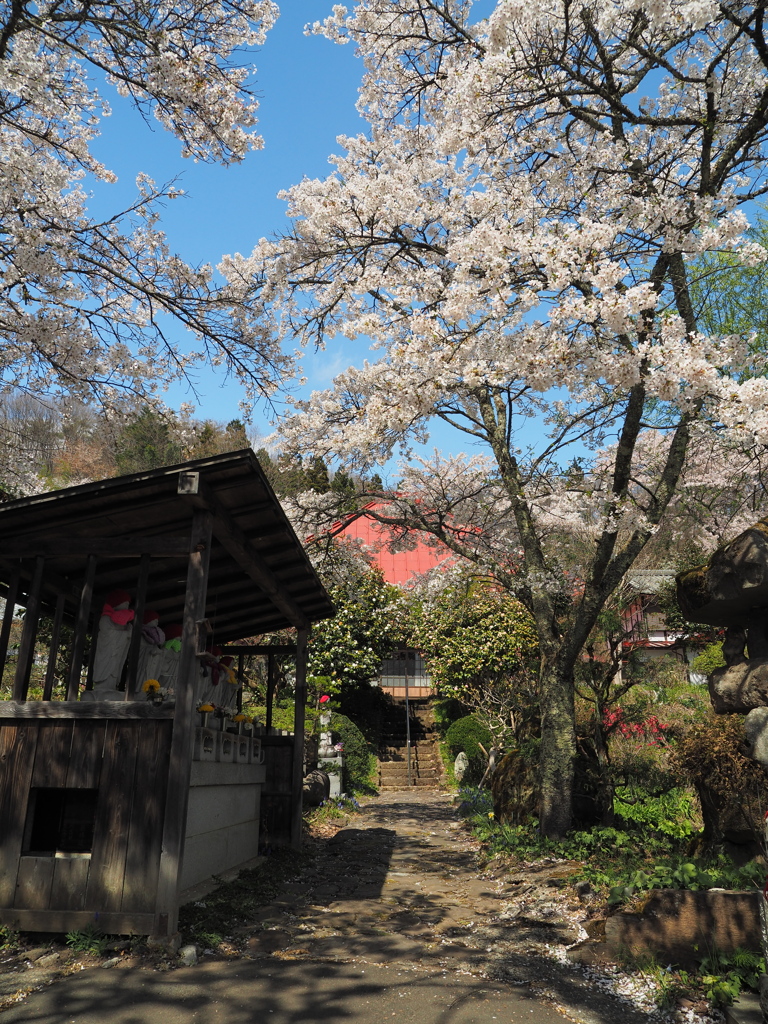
column 110, row 808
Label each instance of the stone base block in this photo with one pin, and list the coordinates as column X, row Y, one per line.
column 739, row 688
column 675, row 921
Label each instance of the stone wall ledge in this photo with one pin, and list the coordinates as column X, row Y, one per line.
column 675, row 921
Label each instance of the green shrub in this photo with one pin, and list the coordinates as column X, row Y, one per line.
column 467, row 734
column 709, row 659
column 724, row 975
column 732, row 789
column 447, row 710
column 359, row 762
column 675, row 813
column 88, row 940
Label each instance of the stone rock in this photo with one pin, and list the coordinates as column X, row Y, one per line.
column 269, row 941
column 317, row 788
column 764, row 996
column 676, row 920
column 515, row 789
column 188, row 955
column 165, row 943
column 112, row 962
column 732, row 583
column 739, row 688
column 49, row 961
column 460, row 766
column 34, row 954
column 756, row 735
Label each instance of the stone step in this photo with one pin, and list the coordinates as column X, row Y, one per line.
column 402, row 762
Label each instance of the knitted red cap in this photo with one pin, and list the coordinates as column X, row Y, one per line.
column 150, row 617
column 173, row 632
column 116, row 597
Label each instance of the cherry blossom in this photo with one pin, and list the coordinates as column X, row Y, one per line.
column 87, row 308
column 516, row 236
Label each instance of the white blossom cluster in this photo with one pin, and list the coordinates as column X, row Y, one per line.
column 84, row 305
column 517, row 235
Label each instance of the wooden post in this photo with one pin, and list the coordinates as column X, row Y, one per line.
column 50, row 671
column 81, row 628
column 180, row 767
column 240, row 660
column 10, row 605
column 28, row 634
column 298, row 736
column 270, row 687
column 131, row 682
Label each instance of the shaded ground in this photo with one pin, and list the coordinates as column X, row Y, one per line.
column 390, row 917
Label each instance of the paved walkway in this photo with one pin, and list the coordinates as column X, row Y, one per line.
column 391, row 920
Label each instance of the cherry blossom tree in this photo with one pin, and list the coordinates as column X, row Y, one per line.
column 92, row 309
column 516, row 236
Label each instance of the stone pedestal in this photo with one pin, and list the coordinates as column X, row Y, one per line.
column 333, row 765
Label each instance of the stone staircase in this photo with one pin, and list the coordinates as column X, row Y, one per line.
column 426, row 764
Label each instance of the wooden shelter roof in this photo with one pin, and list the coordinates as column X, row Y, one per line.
column 260, row 577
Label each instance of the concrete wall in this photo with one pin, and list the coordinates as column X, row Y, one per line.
column 222, row 819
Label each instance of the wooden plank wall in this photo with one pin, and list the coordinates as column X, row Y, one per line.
column 276, row 796
column 127, row 761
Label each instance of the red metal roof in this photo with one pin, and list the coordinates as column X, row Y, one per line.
column 412, row 557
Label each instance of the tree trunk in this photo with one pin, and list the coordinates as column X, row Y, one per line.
column 558, row 749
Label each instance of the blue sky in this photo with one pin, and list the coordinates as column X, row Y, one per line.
column 308, row 90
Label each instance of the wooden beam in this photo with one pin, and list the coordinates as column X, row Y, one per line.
column 73, row 920
column 260, row 649
column 10, row 709
column 270, row 687
column 180, row 766
column 231, row 537
column 28, row 633
column 107, row 547
column 53, row 650
column 81, row 627
column 131, row 682
column 297, row 779
column 10, row 606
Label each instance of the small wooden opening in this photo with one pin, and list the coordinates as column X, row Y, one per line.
column 60, row 821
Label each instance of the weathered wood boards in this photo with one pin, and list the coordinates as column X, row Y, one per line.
column 124, row 764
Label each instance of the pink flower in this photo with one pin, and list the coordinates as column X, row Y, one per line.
column 324, row 698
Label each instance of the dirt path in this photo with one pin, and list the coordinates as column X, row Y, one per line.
column 400, row 885
column 397, row 887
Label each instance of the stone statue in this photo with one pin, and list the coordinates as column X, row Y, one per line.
column 731, row 590
column 112, row 643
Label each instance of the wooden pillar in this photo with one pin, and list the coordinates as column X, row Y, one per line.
column 240, row 661
column 28, row 633
column 81, row 628
column 10, row 604
column 302, row 640
column 270, row 687
column 180, row 767
column 53, row 652
column 132, row 684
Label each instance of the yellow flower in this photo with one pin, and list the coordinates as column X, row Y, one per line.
column 241, row 718
column 205, row 707
column 150, row 686
column 491, row 815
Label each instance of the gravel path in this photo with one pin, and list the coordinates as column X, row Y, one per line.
column 399, row 886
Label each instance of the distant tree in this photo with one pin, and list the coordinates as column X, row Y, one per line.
column 480, row 646
column 348, row 649
column 147, row 442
